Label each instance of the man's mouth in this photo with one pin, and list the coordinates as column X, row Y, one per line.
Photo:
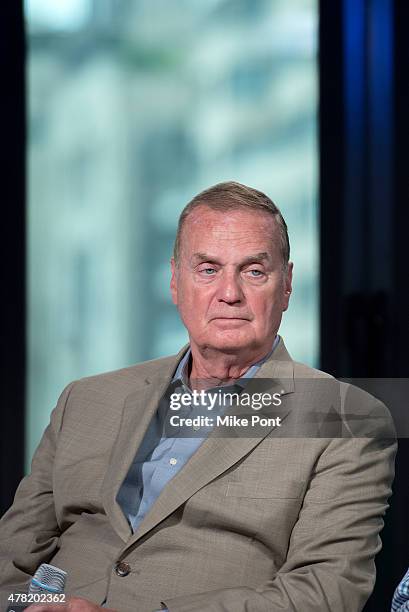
column 230, row 319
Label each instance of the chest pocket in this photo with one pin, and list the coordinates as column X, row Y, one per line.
column 261, row 489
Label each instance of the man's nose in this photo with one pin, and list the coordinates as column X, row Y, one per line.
column 230, row 290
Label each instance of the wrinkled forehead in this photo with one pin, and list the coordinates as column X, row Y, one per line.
column 207, row 230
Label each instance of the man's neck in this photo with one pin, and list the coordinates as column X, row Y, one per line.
column 213, row 367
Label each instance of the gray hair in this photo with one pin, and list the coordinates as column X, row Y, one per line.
column 231, row 196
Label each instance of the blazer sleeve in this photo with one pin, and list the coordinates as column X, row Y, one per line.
column 29, row 530
column 330, row 561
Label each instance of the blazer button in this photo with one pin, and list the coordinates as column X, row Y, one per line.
column 122, row 569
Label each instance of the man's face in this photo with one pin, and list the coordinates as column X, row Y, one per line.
column 230, row 287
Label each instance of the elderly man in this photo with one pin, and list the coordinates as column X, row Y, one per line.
column 142, row 519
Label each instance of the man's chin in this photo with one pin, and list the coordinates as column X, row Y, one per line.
column 226, row 340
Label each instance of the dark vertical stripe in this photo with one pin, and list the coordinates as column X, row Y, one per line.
column 12, row 302
column 355, row 103
column 331, row 182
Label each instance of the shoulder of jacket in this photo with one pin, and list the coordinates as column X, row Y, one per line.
column 124, row 380
column 301, row 370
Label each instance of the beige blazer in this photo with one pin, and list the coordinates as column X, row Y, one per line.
column 284, row 522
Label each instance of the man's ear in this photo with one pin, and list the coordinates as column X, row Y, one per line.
column 288, row 285
column 173, row 281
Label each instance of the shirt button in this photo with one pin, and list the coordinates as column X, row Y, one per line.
column 122, row 569
column 173, row 461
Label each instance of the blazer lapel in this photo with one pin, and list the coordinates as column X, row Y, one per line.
column 138, row 410
column 217, row 454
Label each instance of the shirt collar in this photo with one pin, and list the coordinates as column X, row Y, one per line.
column 183, row 366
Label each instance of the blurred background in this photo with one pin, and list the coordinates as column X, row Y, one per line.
column 115, row 113
column 133, row 107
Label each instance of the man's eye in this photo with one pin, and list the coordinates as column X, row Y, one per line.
column 256, row 273
column 208, row 271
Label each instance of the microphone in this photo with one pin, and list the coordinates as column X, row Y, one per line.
column 48, row 579
column 46, row 586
